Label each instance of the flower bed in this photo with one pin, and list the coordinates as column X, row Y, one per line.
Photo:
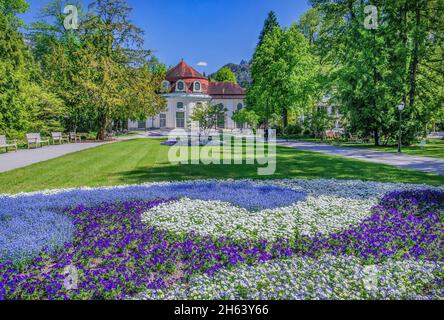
column 285, row 239
column 405, row 224
column 31, row 222
column 117, row 255
column 299, row 278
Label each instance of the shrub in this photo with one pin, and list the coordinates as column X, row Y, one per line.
column 293, row 129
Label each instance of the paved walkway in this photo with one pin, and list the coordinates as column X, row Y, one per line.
column 403, row 161
column 22, row 158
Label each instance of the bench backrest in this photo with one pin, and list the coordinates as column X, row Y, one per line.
column 33, row 136
column 56, row 135
column 2, row 140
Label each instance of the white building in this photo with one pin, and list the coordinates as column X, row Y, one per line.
column 185, row 88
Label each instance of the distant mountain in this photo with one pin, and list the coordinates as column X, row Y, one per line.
column 242, row 72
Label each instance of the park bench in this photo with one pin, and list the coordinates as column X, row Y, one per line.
column 5, row 144
column 35, row 139
column 58, row 136
column 74, row 137
column 436, row 135
column 355, row 139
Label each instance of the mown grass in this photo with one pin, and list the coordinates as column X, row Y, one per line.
column 145, row 160
column 433, row 148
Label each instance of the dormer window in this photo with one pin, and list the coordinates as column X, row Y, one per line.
column 197, row 87
column 180, row 86
column 166, row 85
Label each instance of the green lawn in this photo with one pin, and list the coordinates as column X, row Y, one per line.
column 145, row 160
column 434, row 148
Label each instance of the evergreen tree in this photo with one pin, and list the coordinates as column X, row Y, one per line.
column 25, row 104
column 270, row 23
column 13, row 78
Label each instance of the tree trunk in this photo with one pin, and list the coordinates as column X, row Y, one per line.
column 285, row 118
column 415, row 60
column 377, row 138
column 103, row 126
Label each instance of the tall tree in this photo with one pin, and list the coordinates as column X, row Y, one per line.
column 13, row 75
column 256, row 100
column 270, row 23
column 310, row 24
column 377, row 69
column 25, row 104
column 113, row 48
column 57, row 50
column 283, row 71
column 100, row 70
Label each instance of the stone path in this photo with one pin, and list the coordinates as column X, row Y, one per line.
column 22, row 158
column 403, row 161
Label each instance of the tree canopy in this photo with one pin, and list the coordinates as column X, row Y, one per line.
column 87, row 79
column 283, row 72
column 374, row 70
column 224, row 75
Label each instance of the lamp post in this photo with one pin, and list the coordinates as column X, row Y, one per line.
column 401, row 107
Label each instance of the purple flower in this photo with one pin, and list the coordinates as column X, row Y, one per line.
column 116, row 255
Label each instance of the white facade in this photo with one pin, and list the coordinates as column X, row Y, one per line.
column 179, row 110
column 186, row 88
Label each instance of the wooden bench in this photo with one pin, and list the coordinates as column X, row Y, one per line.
column 58, row 136
column 35, row 139
column 355, row 139
column 5, row 144
column 74, row 137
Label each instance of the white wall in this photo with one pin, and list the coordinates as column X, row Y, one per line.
column 189, row 104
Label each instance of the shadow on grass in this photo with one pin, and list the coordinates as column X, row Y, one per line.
column 290, row 164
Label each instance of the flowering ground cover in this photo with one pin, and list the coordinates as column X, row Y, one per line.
column 281, row 239
column 299, row 278
column 30, row 222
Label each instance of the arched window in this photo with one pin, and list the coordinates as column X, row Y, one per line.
column 166, row 85
column 180, row 86
column 239, row 106
column 180, row 105
column 197, row 86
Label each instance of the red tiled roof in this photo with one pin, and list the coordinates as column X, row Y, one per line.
column 225, row 88
column 189, row 75
column 183, row 71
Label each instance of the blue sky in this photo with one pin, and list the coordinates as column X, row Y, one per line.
column 212, row 31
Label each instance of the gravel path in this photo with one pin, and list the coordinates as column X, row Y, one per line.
column 22, row 158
